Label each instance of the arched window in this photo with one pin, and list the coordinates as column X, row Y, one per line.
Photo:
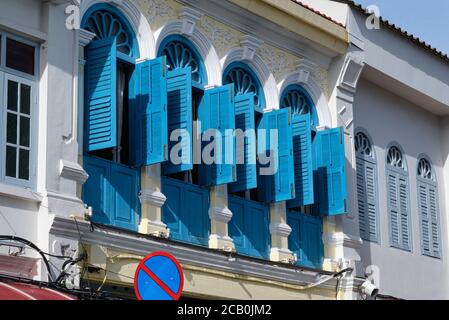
column 245, row 81
column 398, row 199
column 299, row 100
column 181, row 53
column 108, row 23
column 109, row 126
column 429, row 214
column 367, row 188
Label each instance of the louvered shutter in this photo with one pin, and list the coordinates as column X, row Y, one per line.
column 367, row 198
column 330, row 172
column 302, row 150
column 397, row 191
column 101, row 95
column 281, row 185
column 429, row 215
column 150, row 139
column 217, row 112
column 179, row 114
column 246, row 151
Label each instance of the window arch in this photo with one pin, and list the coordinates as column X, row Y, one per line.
column 300, row 102
column 107, row 22
column 398, row 198
column 245, row 81
column 181, row 53
column 428, row 207
column 366, row 168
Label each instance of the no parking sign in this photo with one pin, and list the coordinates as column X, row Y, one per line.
column 158, row 277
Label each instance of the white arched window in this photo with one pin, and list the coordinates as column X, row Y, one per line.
column 428, row 209
column 367, row 188
column 398, row 199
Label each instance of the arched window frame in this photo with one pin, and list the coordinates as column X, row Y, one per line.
column 259, row 93
column 427, row 192
column 367, row 181
column 398, row 175
column 307, row 97
column 134, row 49
column 201, row 77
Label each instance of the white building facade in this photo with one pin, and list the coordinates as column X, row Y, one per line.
column 92, row 92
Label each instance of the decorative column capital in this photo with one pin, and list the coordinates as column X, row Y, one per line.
column 280, row 229
column 189, row 18
column 85, row 37
column 72, row 171
column 152, row 197
column 250, row 45
column 220, row 214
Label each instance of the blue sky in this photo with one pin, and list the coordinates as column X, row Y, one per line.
column 427, row 19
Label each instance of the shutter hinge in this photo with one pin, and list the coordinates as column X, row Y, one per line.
column 165, row 152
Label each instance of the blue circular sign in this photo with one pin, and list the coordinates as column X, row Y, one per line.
column 159, row 277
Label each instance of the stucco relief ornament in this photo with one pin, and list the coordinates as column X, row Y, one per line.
column 278, row 62
column 221, row 38
column 158, row 9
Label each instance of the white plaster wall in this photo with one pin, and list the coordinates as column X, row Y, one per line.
column 388, row 118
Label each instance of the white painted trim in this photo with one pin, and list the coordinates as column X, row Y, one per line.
column 152, row 197
column 203, row 45
column 220, row 214
column 20, row 193
column 262, row 72
column 85, row 37
column 73, row 171
column 32, row 34
column 137, row 20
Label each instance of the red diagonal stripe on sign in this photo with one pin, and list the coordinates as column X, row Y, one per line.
column 160, row 283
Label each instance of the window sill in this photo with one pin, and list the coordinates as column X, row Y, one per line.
column 20, row 193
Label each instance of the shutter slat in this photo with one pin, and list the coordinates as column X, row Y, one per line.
column 246, row 152
column 179, row 114
column 281, row 185
column 330, row 172
column 302, row 148
column 101, row 75
column 216, row 112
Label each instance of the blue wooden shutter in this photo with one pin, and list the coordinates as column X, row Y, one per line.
column 179, row 113
column 305, row 240
column 186, row 211
column 434, row 211
column 101, row 95
column 125, row 188
column 151, row 138
column 249, row 227
column 330, row 172
column 281, row 185
column 244, row 120
column 302, row 151
column 367, row 199
column 398, row 208
column 311, row 241
column 97, row 189
column 217, row 112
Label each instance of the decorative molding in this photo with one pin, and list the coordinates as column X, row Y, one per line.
column 152, row 197
column 202, row 44
column 85, row 37
column 280, row 229
column 72, row 171
column 138, row 244
column 352, row 70
column 222, row 36
column 341, row 239
column 189, row 18
column 305, row 69
column 249, row 45
column 279, row 62
column 220, row 214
